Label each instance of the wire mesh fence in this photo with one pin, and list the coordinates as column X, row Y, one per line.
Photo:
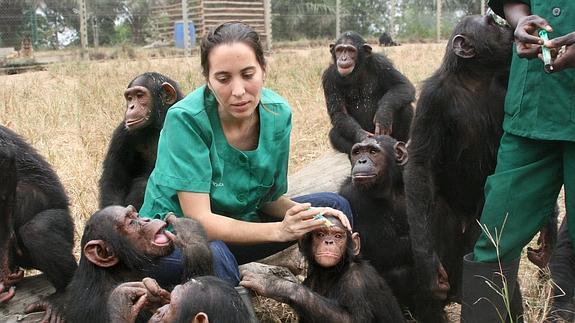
column 55, row 24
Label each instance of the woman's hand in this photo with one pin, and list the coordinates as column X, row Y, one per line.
column 299, row 220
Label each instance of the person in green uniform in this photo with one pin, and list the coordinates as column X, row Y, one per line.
column 223, row 156
column 536, row 156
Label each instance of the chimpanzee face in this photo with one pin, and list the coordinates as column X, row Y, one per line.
column 329, row 245
column 138, row 106
column 345, row 57
column 141, row 105
column 368, row 161
column 146, row 235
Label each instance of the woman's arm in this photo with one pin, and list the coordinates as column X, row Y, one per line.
column 526, row 25
column 295, row 224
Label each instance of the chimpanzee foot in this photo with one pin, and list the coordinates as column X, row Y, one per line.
column 53, row 313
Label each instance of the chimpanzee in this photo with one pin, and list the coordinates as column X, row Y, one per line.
column 201, row 299
column 376, row 194
column 340, row 286
column 36, row 229
column 118, row 246
column 562, row 267
column 131, row 153
column 365, row 94
column 385, row 40
column 454, row 141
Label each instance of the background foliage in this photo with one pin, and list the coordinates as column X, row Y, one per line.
column 53, row 24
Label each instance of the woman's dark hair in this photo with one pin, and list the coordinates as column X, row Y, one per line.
column 228, row 33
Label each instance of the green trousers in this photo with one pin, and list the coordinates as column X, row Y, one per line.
column 522, row 193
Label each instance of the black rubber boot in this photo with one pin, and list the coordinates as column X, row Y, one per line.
column 482, row 282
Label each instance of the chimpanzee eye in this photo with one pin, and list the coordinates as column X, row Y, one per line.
column 339, row 236
column 373, row 151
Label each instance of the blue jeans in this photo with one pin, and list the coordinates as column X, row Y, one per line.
column 227, row 257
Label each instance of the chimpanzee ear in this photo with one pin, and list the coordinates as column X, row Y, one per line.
column 400, row 149
column 99, row 254
column 201, row 317
column 462, row 46
column 170, row 94
column 331, row 48
column 367, row 49
column 356, row 243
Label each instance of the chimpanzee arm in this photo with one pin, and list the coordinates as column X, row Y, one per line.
column 425, row 157
column 8, row 181
column 191, row 238
column 115, row 179
column 399, row 92
column 310, row 306
column 344, row 123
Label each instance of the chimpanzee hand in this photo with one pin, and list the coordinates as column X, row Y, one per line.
column 156, row 296
column 565, row 48
column 183, row 227
column 267, row 285
column 192, row 240
column 126, row 301
column 440, row 285
column 383, row 122
column 540, row 256
column 526, row 35
column 7, row 281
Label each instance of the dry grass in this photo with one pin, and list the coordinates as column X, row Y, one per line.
column 69, row 112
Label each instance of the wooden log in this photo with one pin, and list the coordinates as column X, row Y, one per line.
column 324, row 174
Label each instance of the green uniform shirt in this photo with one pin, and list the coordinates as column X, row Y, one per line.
column 194, row 156
column 540, row 105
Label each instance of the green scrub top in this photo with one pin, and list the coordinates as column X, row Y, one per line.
column 540, row 105
column 194, row 156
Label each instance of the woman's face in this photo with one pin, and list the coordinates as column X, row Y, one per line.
column 236, row 79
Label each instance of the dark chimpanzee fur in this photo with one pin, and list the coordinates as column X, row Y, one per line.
column 376, row 194
column 365, row 94
column 454, row 141
column 385, row 40
column 36, row 229
column 342, row 288
column 131, row 154
column 118, row 246
column 562, row 266
column 201, row 299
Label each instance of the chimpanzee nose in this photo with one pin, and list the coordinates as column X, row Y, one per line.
column 362, row 161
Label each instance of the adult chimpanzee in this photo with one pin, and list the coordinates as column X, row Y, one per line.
column 118, row 246
column 385, row 40
column 36, row 229
column 201, row 299
column 376, row 194
column 454, row 140
column 340, row 287
column 131, row 153
column 365, row 94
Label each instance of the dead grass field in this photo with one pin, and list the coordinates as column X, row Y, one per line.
column 68, row 114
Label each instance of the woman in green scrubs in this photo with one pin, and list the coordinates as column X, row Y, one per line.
column 536, row 156
column 223, row 157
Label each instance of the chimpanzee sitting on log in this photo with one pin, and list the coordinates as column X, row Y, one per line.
column 131, row 153
column 340, row 287
column 365, row 94
column 118, row 246
column 454, row 141
column 201, row 299
column 376, row 194
column 36, row 229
